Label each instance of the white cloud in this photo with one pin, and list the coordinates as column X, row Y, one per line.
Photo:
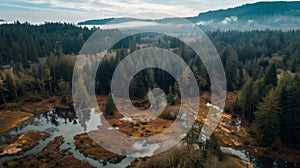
column 90, row 9
column 230, row 19
column 205, row 23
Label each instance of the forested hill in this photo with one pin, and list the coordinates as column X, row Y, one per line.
column 252, row 11
column 25, row 43
column 260, row 15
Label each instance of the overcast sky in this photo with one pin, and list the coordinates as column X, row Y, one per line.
column 39, row 11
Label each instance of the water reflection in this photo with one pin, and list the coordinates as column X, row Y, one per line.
column 64, row 123
column 59, row 122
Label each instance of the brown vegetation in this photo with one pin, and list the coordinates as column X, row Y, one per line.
column 24, row 142
column 180, row 156
column 11, row 119
column 49, row 157
column 14, row 114
column 91, row 149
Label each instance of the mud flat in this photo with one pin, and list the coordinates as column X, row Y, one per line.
column 14, row 114
column 24, row 142
column 91, row 149
column 12, row 119
column 50, row 156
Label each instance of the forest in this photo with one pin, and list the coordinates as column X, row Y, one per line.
column 261, row 66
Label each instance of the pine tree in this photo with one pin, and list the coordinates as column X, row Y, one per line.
column 137, row 86
column 259, row 92
column 290, row 115
column 268, row 116
column 231, row 70
column 246, row 101
column 110, row 107
column 270, row 78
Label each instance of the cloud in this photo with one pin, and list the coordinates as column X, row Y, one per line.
column 118, row 7
column 230, row 19
column 205, row 23
column 89, row 9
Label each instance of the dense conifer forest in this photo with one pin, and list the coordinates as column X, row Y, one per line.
column 263, row 66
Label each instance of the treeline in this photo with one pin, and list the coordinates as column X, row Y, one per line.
column 271, row 102
column 26, row 43
column 269, row 81
column 50, row 76
column 244, row 55
column 250, row 53
column 264, row 65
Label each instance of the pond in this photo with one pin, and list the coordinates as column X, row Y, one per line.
column 64, row 124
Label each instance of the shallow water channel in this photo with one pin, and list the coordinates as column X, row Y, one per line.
column 67, row 126
column 63, row 125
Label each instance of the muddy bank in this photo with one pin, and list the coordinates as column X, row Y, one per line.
column 244, row 137
column 23, row 105
column 91, row 149
column 12, row 119
column 24, row 142
column 51, row 156
column 14, row 114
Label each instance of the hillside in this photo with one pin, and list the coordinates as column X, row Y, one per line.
column 260, row 15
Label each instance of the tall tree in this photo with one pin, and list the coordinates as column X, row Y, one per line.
column 231, row 70
column 290, row 115
column 270, row 78
column 246, row 101
column 110, row 107
column 268, row 116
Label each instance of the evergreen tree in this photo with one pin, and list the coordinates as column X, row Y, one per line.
column 137, row 87
column 268, row 116
column 246, row 101
column 270, row 78
column 231, row 70
column 258, row 92
column 110, row 107
column 290, row 115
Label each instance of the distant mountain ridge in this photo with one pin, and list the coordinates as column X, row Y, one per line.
column 261, row 15
column 256, row 9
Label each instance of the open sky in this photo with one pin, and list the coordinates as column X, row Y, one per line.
column 39, row 11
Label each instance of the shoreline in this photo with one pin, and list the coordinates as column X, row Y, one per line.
column 242, row 140
column 9, row 120
column 13, row 115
